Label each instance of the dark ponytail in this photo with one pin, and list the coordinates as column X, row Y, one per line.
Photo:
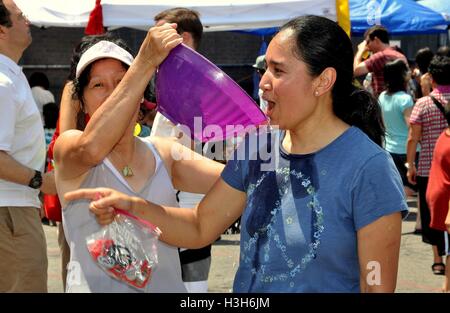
column 363, row 111
column 321, row 43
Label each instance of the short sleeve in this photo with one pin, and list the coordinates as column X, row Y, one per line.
column 7, row 118
column 416, row 114
column 406, row 102
column 233, row 173
column 246, row 161
column 371, row 62
column 377, row 191
column 369, row 65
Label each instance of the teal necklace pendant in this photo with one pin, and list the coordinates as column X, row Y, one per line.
column 127, row 171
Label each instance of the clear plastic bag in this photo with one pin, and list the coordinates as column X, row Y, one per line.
column 126, row 249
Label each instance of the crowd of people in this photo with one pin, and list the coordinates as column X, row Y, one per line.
column 332, row 173
column 415, row 105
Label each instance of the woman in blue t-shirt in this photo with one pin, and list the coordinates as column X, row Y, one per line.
column 320, row 199
column 397, row 105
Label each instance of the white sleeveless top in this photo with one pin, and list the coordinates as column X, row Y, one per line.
column 84, row 275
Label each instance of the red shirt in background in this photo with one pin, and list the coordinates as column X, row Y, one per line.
column 438, row 190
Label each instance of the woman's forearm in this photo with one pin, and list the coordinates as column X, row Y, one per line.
column 179, row 227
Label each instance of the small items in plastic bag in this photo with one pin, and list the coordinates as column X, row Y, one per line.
column 126, row 249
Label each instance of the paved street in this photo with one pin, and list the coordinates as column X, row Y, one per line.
column 414, row 269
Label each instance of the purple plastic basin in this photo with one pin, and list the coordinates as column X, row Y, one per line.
column 188, row 85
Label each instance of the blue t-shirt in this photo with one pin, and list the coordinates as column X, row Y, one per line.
column 298, row 230
column 393, row 107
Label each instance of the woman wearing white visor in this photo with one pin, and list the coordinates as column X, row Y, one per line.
column 106, row 153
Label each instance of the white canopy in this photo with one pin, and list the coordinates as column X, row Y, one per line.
column 217, row 15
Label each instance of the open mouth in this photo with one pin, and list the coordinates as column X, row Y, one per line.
column 270, row 106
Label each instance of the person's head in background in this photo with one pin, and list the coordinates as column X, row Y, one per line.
column 260, row 65
column 15, row 34
column 309, row 78
column 440, row 72
column 188, row 22
column 396, row 76
column 39, row 79
column 443, row 51
column 423, row 59
column 377, row 38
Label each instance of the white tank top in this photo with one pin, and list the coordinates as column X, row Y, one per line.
column 84, row 275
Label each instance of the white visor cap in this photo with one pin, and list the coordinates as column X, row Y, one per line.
column 101, row 50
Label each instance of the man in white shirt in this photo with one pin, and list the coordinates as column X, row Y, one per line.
column 23, row 261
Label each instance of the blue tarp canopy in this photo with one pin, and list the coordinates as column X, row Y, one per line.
column 440, row 6
column 398, row 16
